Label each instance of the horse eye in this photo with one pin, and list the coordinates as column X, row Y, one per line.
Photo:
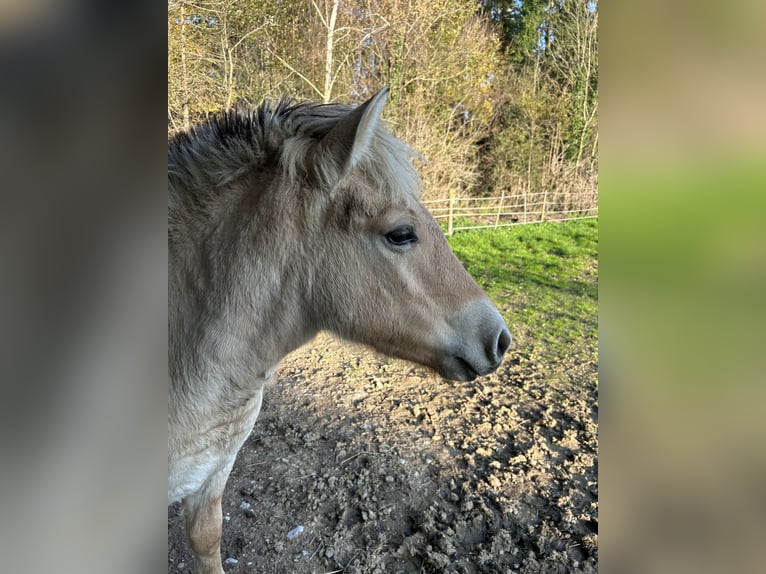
column 402, row 236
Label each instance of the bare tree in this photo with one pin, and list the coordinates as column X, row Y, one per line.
column 483, row 118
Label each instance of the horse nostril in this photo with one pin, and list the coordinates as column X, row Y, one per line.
column 503, row 343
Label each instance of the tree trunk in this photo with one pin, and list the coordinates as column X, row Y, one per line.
column 184, row 73
column 328, row 54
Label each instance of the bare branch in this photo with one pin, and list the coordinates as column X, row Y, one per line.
column 319, row 12
column 297, row 73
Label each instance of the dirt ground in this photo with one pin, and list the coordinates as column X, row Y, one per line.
column 389, row 468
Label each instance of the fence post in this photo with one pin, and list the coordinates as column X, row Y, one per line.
column 524, row 191
column 500, row 207
column 451, row 210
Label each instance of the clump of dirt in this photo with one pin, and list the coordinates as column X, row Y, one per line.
column 390, row 469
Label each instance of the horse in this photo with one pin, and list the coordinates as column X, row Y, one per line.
column 285, row 220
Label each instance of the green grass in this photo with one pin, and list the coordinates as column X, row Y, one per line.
column 544, row 279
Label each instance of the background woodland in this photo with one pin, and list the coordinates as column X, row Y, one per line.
column 498, row 96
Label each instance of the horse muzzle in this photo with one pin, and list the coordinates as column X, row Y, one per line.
column 476, row 344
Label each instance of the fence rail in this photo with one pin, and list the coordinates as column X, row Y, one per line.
column 513, row 209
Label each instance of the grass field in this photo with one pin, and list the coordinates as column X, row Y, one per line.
column 544, row 279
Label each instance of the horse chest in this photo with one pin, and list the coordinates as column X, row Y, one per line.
column 205, row 443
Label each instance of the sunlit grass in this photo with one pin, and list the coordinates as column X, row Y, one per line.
column 544, row 279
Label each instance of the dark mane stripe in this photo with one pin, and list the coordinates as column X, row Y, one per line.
column 219, row 150
column 216, row 150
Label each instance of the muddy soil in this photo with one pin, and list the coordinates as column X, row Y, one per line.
column 389, row 468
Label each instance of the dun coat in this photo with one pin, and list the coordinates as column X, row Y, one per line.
column 284, row 221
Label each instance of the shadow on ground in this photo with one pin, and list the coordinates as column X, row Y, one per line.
column 389, row 468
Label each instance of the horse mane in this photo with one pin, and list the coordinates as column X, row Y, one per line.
column 230, row 144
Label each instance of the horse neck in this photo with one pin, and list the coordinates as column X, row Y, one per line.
column 238, row 292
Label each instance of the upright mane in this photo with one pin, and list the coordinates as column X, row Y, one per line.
column 230, row 144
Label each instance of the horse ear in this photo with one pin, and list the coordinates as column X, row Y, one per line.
column 348, row 141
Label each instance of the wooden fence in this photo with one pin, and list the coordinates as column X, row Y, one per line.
column 511, row 209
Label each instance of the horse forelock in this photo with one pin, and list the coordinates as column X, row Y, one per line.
column 233, row 143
